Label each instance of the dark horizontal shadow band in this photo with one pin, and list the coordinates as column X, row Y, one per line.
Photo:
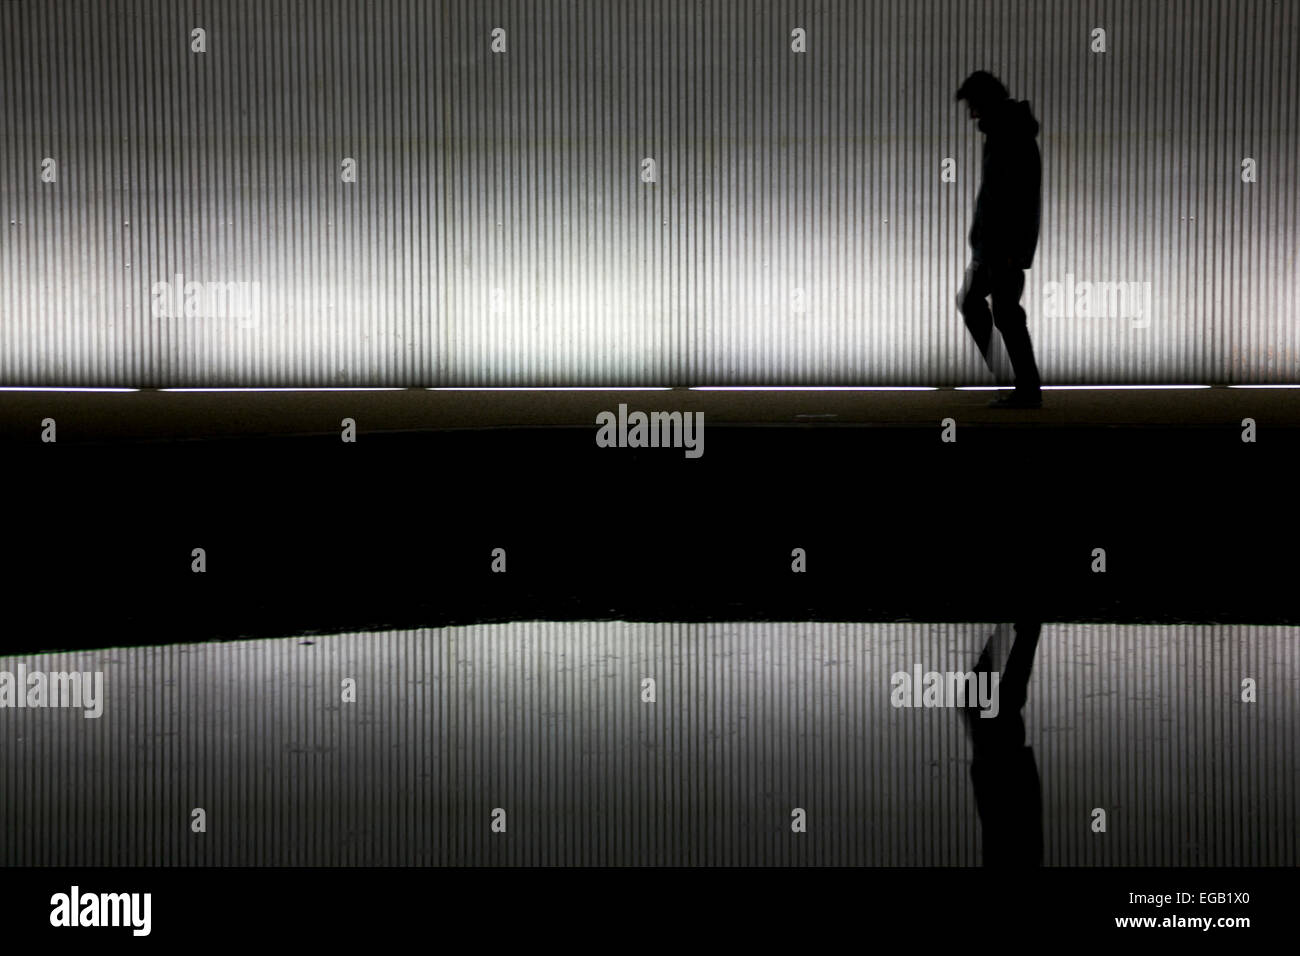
column 1128, row 525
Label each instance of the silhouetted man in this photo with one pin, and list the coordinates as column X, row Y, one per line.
column 1005, row 232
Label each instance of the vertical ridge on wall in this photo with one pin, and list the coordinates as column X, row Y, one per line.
column 504, row 228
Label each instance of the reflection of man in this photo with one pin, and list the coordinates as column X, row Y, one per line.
column 1004, row 234
column 1008, row 794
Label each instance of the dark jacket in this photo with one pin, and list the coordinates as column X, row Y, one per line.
column 1009, row 203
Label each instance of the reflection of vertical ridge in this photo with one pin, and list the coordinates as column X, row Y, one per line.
column 751, row 721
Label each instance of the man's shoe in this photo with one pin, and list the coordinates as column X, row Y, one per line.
column 1018, row 400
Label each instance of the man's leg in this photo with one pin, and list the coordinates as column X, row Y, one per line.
column 1006, row 283
column 975, row 311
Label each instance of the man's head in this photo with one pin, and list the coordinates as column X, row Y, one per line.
column 981, row 91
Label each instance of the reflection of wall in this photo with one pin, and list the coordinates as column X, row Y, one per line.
column 798, row 229
column 751, row 721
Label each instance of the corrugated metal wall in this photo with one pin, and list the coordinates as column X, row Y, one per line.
column 546, row 721
column 499, row 232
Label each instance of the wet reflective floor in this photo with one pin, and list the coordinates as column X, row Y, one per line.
column 640, row 743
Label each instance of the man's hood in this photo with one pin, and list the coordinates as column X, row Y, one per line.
column 1013, row 117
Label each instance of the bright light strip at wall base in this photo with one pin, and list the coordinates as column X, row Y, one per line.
column 1076, row 388
column 377, row 389
column 622, row 388
column 62, row 388
column 550, row 388
column 814, row 388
